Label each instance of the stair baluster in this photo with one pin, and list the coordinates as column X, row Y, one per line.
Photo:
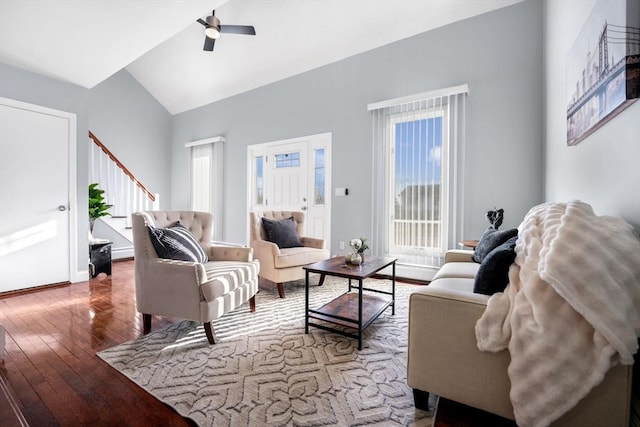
column 123, row 191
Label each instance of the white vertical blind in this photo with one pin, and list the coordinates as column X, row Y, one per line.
column 418, row 175
column 207, row 160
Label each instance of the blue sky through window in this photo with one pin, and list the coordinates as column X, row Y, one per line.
column 418, row 152
column 259, row 166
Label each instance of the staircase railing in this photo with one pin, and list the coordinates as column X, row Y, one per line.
column 122, row 189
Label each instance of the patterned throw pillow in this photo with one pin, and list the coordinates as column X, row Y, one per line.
column 176, row 242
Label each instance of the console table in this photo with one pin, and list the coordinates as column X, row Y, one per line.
column 100, row 257
column 355, row 310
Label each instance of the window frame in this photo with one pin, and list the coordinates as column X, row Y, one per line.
column 427, row 113
column 215, row 154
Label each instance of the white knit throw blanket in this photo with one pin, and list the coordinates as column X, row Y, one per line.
column 570, row 311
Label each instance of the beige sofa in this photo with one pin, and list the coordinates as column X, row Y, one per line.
column 281, row 265
column 443, row 358
column 188, row 290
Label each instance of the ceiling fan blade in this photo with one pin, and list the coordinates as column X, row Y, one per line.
column 201, row 21
column 238, row 29
column 208, row 44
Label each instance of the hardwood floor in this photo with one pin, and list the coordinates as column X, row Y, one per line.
column 55, row 378
column 51, row 364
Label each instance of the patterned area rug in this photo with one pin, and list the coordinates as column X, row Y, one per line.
column 265, row 370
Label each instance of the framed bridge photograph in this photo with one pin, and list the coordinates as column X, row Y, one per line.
column 603, row 67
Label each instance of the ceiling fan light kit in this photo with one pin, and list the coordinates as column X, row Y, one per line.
column 212, row 32
column 213, row 29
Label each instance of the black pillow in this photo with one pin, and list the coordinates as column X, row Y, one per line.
column 493, row 274
column 282, row 232
column 490, row 240
column 176, row 242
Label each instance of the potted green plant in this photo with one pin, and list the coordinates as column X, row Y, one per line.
column 97, row 206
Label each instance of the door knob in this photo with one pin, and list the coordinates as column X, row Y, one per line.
column 62, row 208
column 304, row 208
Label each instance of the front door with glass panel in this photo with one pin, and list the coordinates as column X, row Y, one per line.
column 286, row 186
column 293, row 175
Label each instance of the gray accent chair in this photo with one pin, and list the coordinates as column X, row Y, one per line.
column 190, row 290
column 284, row 265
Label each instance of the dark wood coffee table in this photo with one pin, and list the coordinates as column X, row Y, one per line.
column 355, row 310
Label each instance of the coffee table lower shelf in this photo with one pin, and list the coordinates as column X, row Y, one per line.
column 339, row 311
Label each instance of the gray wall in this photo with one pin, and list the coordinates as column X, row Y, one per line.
column 603, row 169
column 35, row 89
column 135, row 128
column 498, row 54
column 133, row 125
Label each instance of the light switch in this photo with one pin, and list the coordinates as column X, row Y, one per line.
column 339, row 191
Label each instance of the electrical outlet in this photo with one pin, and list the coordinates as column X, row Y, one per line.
column 341, row 244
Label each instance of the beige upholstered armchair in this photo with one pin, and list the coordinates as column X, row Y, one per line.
column 198, row 291
column 281, row 265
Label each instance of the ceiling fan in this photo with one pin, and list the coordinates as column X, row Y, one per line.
column 213, row 28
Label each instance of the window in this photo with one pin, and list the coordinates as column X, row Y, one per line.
column 201, row 168
column 206, row 163
column 288, row 160
column 318, row 181
column 417, row 173
column 258, row 184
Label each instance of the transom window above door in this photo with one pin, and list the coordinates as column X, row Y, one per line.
column 287, row 160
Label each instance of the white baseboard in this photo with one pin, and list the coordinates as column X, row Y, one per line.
column 121, row 253
column 80, row 276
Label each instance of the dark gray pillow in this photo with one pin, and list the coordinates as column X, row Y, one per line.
column 490, row 240
column 176, row 242
column 493, row 274
column 282, row 232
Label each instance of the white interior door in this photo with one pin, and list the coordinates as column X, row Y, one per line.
column 294, row 175
column 34, row 198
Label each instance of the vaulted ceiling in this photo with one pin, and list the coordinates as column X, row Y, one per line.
column 160, row 43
